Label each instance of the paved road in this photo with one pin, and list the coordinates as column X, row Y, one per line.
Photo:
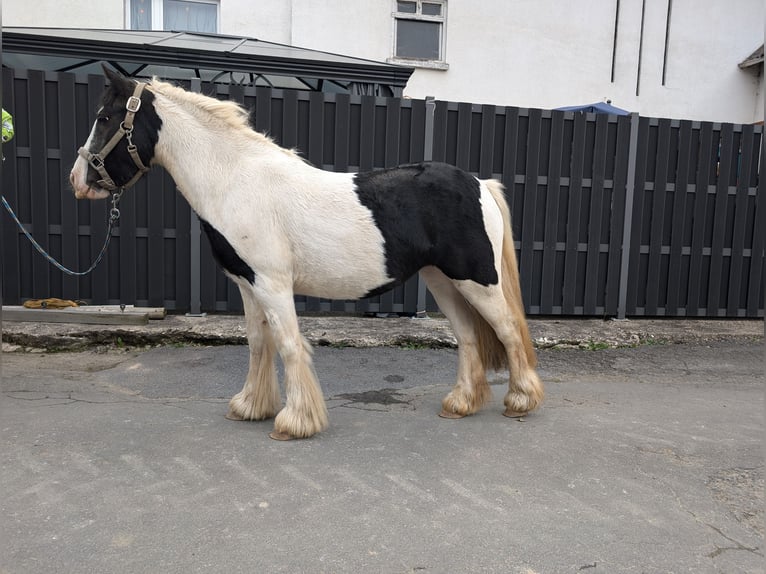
column 641, row 460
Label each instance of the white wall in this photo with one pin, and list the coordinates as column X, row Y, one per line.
column 265, row 20
column 535, row 53
column 549, row 53
column 64, row 13
column 529, row 53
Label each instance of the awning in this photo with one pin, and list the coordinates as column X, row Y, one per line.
column 596, row 108
column 209, row 57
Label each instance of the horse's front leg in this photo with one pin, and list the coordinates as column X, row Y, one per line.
column 305, row 412
column 259, row 399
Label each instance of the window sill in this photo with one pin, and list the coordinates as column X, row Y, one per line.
column 427, row 64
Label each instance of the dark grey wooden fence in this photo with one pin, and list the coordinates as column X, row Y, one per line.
column 625, row 216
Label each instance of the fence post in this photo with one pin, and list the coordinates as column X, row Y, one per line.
column 428, row 155
column 627, row 230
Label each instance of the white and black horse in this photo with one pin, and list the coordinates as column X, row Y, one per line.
column 279, row 226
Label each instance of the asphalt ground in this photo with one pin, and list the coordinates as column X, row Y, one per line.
column 645, row 457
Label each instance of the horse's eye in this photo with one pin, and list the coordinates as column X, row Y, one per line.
column 102, row 119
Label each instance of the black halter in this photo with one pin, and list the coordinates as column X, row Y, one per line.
column 96, row 160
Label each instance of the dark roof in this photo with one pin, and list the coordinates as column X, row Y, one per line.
column 209, row 57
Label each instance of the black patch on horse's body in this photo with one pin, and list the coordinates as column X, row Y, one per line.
column 429, row 214
column 225, row 255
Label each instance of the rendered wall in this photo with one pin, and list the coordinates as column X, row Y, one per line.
column 526, row 53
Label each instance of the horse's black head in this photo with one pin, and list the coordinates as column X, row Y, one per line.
column 121, row 144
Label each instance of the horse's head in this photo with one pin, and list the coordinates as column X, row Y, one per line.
column 121, row 143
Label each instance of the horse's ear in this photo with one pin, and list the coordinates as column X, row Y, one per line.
column 117, row 80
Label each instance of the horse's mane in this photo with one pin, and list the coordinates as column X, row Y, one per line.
column 227, row 112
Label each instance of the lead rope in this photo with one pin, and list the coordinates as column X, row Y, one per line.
column 114, row 215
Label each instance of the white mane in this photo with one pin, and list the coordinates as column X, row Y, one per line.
column 213, row 111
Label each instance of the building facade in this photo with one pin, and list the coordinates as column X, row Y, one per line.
column 674, row 58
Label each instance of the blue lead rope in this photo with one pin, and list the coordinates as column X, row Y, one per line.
column 114, row 215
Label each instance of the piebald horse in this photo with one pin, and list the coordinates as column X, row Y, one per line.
column 279, row 226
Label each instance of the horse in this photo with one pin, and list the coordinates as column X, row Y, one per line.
column 279, row 226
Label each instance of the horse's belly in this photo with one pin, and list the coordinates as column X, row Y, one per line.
column 339, row 278
column 337, row 250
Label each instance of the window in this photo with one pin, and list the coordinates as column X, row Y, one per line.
column 419, row 27
column 180, row 15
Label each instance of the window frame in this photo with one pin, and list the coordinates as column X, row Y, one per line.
column 158, row 9
column 418, row 16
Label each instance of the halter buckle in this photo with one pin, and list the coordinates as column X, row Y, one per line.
column 133, row 104
column 96, row 161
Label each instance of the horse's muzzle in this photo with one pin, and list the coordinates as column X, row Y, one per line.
column 81, row 189
column 91, row 193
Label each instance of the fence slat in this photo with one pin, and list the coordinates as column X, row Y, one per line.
column 342, row 130
column 679, row 219
column 38, row 149
column 263, row 111
column 696, row 276
column 619, row 197
column 439, row 152
column 127, row 246
column 9, row 261
column 180, row 297
column 657, row 219
column 367, row 134
column 719, row 221
column 597, row 192
column 740, row 222
column 487, row 143
column 573, row 216
column 156, row 244
column 552, row 201
column 393, row 131
column 290, row 119
column 68, row 145
column 531, row 194
column 417, row 131
column 755, row 276
column 99, row 279
column 316, row 129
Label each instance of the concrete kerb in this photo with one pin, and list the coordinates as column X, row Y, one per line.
column 358, row 331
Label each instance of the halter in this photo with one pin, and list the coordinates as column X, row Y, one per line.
column 96, row 160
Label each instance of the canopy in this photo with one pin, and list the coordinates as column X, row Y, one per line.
column 209, row 57
column 596, row 108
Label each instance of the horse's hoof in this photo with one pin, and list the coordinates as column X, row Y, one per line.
column 448, row 415
column 279, row 435
column 232, row 416
column 514, row 414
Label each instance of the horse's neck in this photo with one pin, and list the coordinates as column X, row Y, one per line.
column 205, row 163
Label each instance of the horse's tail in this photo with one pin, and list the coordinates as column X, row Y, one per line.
column 493, row 353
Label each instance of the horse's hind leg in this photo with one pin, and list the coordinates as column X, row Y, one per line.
column 259, row 399
column 305, row 412
column 525, row 390
column 471, row 390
